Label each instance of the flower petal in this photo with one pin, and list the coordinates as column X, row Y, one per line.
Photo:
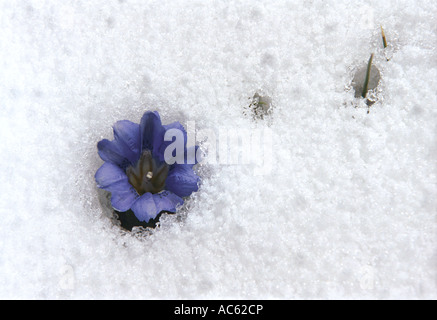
column 189, row 153
column 145, row 208
column 182, row 180
column 148, row 206
column 167, row 201
column 123, row 200
column 127, row 134
column 113, row 179
column 110, row 151
column 152, row 131
column 176, row 125
column 110, row 176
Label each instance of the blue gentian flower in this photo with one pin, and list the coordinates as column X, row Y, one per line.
column 135, row 171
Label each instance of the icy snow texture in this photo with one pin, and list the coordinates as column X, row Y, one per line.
column 349, row 210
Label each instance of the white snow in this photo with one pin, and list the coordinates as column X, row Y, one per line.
column 348, row 211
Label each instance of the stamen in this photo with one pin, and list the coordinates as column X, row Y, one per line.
column 160, row 176
column 147, row 175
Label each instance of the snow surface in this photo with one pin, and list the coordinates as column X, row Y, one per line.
column 348, row 211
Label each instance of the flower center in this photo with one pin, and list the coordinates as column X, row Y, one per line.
column 147, row 175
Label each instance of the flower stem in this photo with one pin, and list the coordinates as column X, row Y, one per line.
column 366, row 81
column 384, row 40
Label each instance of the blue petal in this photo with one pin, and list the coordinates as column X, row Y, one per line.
column 152, row 131
column 176, row 125
column 189, row 153
column 144, row 207
column 182, row 180
column 167, row 201
column 113, row 179
column 127, row 134
column 110, row 176
column 148, row 206
column 165, row 144
column 111, row 151
column 123, row 201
